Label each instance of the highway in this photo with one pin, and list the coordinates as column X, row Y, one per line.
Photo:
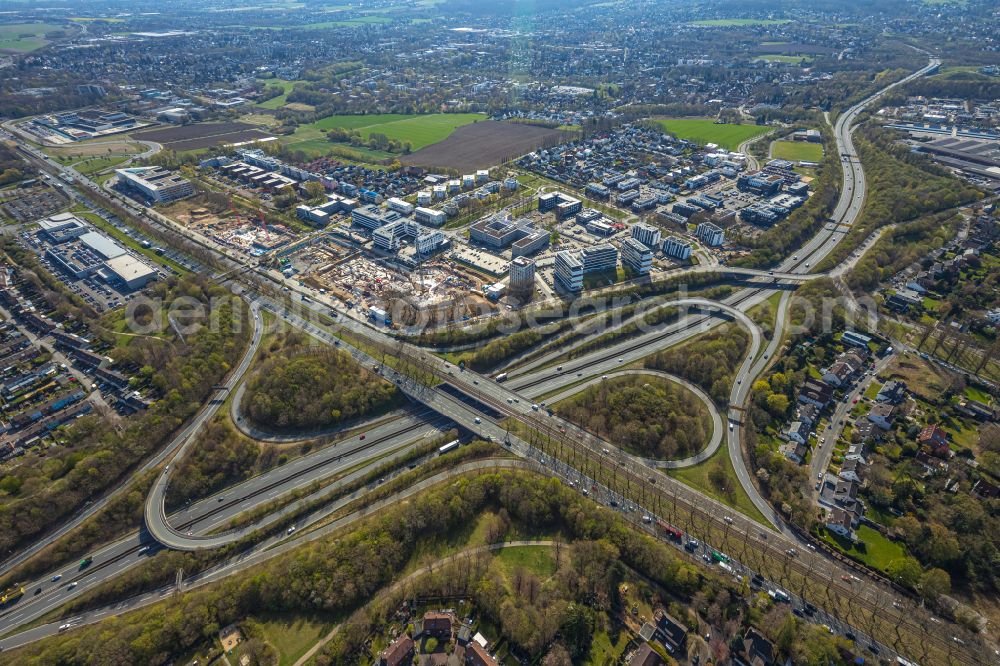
column 504, row 402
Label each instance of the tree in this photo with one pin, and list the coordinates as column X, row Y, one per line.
column 777, row 404
column 934, row 583
column 314, row 189
column 905, row 571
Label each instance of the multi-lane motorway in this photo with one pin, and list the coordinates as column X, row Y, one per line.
column 507, row 401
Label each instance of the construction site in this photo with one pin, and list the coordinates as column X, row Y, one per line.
column 245, row 232
column 439, row 290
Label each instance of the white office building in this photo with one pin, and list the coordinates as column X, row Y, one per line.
column 599, row 258
column 646, row 234
column 710, row 234
column 400, row 206
column 522, row 275
column 156, row 183
column 678, row 248
column 636, row 256
column 569, row 271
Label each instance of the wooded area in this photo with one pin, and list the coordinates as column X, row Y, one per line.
column 645, row 415
column 97, row 451
column 301, row 386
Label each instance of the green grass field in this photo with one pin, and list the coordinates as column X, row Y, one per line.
column 539, row 560
column 291, row 634
column 734, row 22
column 872, row 548
column 419, row 130
column 280, row 100
column 790, row 59
column 704, row 130
column 24, row 37
column 797, row 151
column 697, row 476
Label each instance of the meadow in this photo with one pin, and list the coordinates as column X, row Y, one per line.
column 704, row 130
column 25, row 37
column 797, row 151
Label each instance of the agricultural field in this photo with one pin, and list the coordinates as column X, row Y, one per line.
column 24, row 37
column 484, row 144
column 797, row 151
column 705, row 130
column 202, row 135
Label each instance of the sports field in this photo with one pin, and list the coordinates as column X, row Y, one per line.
column 797, row 151
column 703, row 130
column 25, row 37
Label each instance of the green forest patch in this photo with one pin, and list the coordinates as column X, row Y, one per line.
column 298, row 386
column 646, row 415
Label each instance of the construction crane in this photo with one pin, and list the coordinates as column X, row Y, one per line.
column 263, row 224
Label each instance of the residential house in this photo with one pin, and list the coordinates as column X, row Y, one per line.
column 892, row 392
column 476, row 655
column 757, row 649
column 671, row 633
column 401, row 651
column 841, row 522
column 645, row 656
column 839, row 374
column 436, row 624
column 978, row 410
column 852, row 469
column 796, row 452
column 798, row 432
column 866, row 431
column 882, row 415
column 932, row 464
column 815, row 392
column 808, row 413
column 935, row 440
column 986, row 490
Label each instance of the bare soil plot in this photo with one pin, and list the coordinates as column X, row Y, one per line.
column 202, row 135
column 485, row 144
column 97, row 149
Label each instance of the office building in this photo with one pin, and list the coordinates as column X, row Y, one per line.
column 400, row 206
column 636, row 257
column 677, row 248
column 522, row 275
column 156, row 183
column 710, row 234
column 563, row 204
column 434, row 218
column 62, row 227
column 599, row 258
column 499, row 232
column 568, row 271
column 372, row 217
column 646, row 234
column 759, row 182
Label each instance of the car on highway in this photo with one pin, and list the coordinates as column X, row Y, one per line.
column 477, row 420
column 72, row 585
column 362, row 436
column 56, row 578
column 290, row 530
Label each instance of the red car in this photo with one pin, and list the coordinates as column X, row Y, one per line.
column 362, row 436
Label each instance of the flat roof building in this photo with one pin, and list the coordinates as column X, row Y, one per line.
column 102, row 245
column 636, row 256
column 568, row 271
column 156, row 183
column 522, row 275
column 646, row 234
column 677, row 248
column 130, row 271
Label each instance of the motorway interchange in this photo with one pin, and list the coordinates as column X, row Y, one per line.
column 486, row 408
